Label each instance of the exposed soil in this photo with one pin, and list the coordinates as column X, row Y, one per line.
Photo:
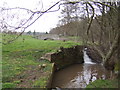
column 28, row 77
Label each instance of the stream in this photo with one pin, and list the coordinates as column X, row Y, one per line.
column 80, row 75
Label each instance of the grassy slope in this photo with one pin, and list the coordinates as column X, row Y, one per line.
column 103, row 84
column 19, row 56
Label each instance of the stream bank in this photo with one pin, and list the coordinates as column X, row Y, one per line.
column 71, row 69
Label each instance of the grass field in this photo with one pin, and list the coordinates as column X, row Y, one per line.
column 21, row 61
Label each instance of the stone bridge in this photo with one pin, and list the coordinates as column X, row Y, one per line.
column 48, row 37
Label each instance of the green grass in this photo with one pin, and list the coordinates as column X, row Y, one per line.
column 32, row 44
column 103, row 84
column 17, row 56
column 8, row 85
column 41, row 82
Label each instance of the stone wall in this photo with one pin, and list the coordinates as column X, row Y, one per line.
column 67, row 56
column 94, row 55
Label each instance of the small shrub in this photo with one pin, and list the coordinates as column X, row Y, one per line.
column 17, row 82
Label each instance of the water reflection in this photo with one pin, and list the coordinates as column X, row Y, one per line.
column 79, row 75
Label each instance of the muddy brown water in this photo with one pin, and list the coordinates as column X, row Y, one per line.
column 79, row 75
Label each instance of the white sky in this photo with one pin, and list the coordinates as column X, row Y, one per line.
column 46, row 22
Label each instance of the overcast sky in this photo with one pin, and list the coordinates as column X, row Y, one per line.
column 46, row 22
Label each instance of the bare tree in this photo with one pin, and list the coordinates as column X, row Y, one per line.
column 108, row 34
column 99, row 28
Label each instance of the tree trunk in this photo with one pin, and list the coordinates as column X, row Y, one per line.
column 108, row 62
column 115, row 46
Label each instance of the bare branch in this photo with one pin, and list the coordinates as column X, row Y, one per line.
column 3, row 8
column 107, row 5
column 91, row 19
column 24, row 28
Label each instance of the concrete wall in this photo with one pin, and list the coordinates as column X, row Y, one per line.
column 67, row 56
column 49, row 83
